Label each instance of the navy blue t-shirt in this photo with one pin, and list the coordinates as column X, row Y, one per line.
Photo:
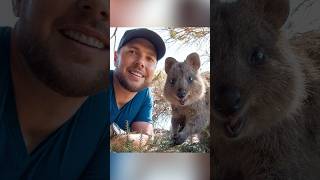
column 76, row 150
column 139, row 108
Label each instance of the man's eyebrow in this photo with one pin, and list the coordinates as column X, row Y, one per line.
column 149, row 52
column 152, row 54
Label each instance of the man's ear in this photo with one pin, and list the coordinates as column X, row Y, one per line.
column 115, row 59
column 276, row 12
column 168, row 64
column 193, row 60
column 17, row 7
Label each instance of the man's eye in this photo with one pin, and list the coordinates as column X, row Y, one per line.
column 151, row 60
column 132, row 51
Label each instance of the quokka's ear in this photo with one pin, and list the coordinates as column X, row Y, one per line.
column 275, row 12
column 193, row 60
column 169, row 62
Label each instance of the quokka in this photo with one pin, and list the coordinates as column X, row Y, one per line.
column 266, row 98
column 188, row 92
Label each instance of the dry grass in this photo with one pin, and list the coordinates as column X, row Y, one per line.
column 161, row 143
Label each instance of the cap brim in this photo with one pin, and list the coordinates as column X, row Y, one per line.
column 149, row 35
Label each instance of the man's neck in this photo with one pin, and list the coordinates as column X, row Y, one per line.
column 40, row 109
column 122, row 95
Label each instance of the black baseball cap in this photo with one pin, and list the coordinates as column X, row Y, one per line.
column 147, row 34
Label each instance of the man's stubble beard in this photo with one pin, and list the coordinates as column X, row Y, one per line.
column 41, row 61
column 125, row 84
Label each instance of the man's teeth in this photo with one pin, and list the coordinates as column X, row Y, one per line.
column 137, row 74
column 90, row 41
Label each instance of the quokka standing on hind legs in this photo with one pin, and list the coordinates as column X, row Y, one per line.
column 188, row 94
column 266, row 99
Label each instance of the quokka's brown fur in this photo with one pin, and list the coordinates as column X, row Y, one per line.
column 266, row 107
column 188, row 94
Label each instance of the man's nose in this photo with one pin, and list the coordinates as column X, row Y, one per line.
column 97, row 8
column 140, row 62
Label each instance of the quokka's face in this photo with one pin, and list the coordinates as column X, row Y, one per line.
column 183, row 84
column 256, row 83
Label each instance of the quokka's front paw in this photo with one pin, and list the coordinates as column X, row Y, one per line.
column 178, row 139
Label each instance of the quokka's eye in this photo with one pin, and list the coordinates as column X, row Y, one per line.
column 190, row 79
column 172, row 81
column 258, row 57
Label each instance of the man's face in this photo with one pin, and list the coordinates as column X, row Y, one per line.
column 65, row 43
column 135, row 64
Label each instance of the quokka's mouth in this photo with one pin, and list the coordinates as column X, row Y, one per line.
column 234, row 126
column 182, row 101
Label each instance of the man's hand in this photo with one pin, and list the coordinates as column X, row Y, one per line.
column 136, row 141
column 142, row 127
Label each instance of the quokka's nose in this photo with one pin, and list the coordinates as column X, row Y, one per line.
column 226, row 99
column 181, row 93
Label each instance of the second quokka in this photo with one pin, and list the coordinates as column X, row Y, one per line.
column 188, row 92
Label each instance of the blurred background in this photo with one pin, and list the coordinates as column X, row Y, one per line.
column 151, row 13
column 161, row 166
column 304, row 14
column 6, row 15
column 159, row 15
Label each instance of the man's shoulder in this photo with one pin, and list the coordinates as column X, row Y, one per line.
column 100, row 99
column 142, row 98
column 111, row 77
column 5, row 29
column 5, row 33
column 4, row 61
column 145, row 90
column 96, row 105
column 144, row 93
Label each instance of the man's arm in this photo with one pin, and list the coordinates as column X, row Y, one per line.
column 141, row 127
column 143, row 121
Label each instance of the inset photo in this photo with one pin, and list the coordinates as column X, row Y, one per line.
column 159, row 89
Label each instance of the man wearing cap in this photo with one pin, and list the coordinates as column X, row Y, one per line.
column 53, row 91
column 130, row 98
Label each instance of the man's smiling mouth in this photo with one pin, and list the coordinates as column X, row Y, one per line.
column 137, row 74
column 84, row 39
